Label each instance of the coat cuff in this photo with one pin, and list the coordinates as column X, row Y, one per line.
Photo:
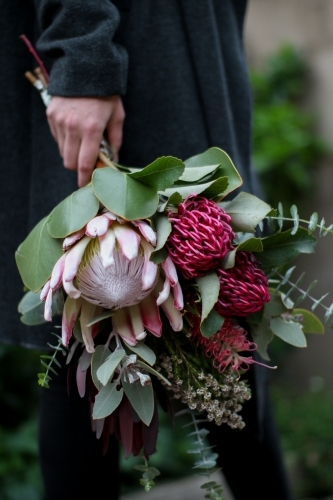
column 77, row 39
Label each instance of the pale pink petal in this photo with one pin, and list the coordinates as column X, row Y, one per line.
column 56, row 276
column 70, row 313
column 164, row 293
column 151, row 315
column 72, row 238
column 48, row 306
column 97, row 226
column 70, row 289
column 170, row 270
column 45, row 291
column 109, row 215
column 129, row 241
column 87, row 313
column 145, row 229
column 174, row 316
column 137, row 323
column 106, row 246
column 178, row 297
column 149, row 272
column 122, row 324
column 73, row 259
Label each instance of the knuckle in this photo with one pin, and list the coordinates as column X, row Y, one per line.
column 72, row 123
column 93, row 127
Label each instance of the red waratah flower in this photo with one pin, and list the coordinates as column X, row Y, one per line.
column 225, row 346
column 244, row 287
column 200, row 236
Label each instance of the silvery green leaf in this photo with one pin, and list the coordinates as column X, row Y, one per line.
column 209, row 288
column 288, row 331
column 143, row 351
column 141, row 398
column 106, row 370
column 99, row 356
column 151, row 370
column 246, row 211
column 107, row 400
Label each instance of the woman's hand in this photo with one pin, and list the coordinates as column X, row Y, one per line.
column 78, row 125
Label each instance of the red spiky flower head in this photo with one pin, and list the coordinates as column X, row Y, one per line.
column 243, row 288
column 200, row 237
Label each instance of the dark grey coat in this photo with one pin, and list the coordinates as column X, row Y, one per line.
column 180, row 67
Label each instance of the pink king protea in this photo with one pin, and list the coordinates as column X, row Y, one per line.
column 244, row 288
column 106, row 266
column 200, row 237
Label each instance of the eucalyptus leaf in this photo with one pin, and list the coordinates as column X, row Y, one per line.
column 163, row 229
column 185, row 191
column 250, row 245
column 160, row 174
column 36, row 256
column 73, row 213
column 275, row 307
column 143, row 351
column 209, row 288
column 214, row 156
column 288, row 331
column 85, row 360
column 99, row 356
column 212, row 324
column 246, row 211
column 217, row 189
column 194, row 174
column 310, row 322
column 100, row 317
column 124, row 195
column 141, row 398
column 106, row 370
column 151, row 370
column 282, row 248
column 159, row 256
column 262, row 336
column 107, row 400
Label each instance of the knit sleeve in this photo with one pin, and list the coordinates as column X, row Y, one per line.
column 77, row 37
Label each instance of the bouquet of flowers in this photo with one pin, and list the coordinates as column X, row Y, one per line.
column 167, row 288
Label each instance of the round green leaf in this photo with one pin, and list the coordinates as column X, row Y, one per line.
column 73, row 213
column 162, row 173
column 36, row 256
column 310, row 322
column 123, row 195
column 141, row 398
column 288, row 331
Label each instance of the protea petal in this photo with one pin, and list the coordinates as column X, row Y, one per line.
column 70, row 289
column 174, row 316
column 73, row 259
column 106, row 245
column 164, row 293
column 109, row 215
column 57, row 273
column 170, row 271
column 70, row 313
column 147, row 232
column 87, row 314
column 122, row 324
column 129, row 241
column 44, row 292
column 151, row 315
column 72, row 238
column 150, row 269
column 48, row 306
column 178, row 297
column 137, row 323
column 98, row 226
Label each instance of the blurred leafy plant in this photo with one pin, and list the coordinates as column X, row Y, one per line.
column 305, row 425
column 286, row 148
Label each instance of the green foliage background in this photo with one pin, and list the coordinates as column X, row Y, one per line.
column 286, row 154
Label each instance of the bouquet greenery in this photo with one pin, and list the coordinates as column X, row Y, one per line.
column 166, row 288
